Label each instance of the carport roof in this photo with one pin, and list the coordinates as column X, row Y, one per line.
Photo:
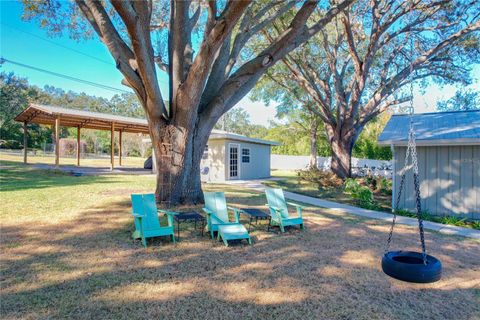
column 43, row 114
column 439, row 128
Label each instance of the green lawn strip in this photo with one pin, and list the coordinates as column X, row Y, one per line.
column 290, row 182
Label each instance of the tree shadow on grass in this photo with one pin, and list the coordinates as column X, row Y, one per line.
column 90, row 268
column 15, row 177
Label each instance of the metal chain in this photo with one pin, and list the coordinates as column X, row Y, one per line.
column 412, row 152
column 397, row 201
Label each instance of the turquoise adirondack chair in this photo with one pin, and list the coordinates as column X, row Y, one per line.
column 218, row 221
column 279, row 210
column 147, row 223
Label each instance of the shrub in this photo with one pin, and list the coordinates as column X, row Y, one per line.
column 476, row 225
column 323, row 179
column 361, row 193
column 351, row 185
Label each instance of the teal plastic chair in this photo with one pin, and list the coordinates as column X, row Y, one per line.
column 146, row 218
column 279, row 210
column 218, row 221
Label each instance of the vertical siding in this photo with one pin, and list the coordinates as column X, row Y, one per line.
column 430, row 182
column 450, row 180
column 466, row 178
column 422, row 169
column 476, row 181
column 399, row 159
column 443, row 180
column 453, row 197
column 259, row 165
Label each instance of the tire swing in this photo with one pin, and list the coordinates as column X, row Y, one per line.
column 408, row 265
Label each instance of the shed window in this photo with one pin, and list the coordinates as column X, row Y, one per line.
column 205, row 153
column 246, row 155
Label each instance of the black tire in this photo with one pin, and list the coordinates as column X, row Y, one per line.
column 408, row 266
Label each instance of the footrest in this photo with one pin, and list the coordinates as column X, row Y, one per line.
column 233, row 232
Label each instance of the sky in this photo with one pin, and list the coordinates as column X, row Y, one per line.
column 24, row 42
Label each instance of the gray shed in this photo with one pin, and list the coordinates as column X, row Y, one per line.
column 448, row 147
column 230, row 156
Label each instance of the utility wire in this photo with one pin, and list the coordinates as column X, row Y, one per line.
column 67, row 48
column 57, row 44
column 94, row 84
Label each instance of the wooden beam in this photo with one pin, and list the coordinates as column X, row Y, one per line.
column 79, row 146
column 57, row 141
column 25, row 141
column 120, row 148
column 112, row 146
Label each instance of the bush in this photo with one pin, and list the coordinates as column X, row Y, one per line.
column 323, row 179
column 361, row 193
column 351, row 185
column 10, row 144
column 377, row 184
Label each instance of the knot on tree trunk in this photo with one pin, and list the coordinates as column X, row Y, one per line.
column 218, row 30
column 267, row 60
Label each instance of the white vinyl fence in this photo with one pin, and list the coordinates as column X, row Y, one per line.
column 359, row 166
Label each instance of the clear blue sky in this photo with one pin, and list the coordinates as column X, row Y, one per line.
column 27, row 49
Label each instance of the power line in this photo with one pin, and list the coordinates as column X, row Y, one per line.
column 67, row 48
column 94, row 84
column 58, row 44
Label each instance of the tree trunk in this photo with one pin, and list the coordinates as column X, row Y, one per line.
column 341, row 164
column 178, row 152
column 313, row 164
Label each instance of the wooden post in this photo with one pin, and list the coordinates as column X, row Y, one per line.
column 79, row 146
column 120, row 149
column 25, row 142
column 57, row 141
column 112, row 146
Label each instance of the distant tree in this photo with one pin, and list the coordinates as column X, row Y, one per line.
column 202, row 45
column 126, row 104
column 359, row 65
column 15, row 96
column 462, row 100
column 366, row 146
column 294, row 139
column 236, row 120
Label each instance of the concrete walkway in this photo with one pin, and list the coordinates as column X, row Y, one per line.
column 442, row 228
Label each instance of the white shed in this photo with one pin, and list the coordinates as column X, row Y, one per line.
column 448, row 148
column 230, row 156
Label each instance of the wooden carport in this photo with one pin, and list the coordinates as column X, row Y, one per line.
column 57, row 116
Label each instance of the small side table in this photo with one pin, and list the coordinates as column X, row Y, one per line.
column 256, row 214
column 189, row 217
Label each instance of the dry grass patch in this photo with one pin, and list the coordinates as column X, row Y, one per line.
column 84, row 265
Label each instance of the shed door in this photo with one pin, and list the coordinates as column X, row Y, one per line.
column 233, row 165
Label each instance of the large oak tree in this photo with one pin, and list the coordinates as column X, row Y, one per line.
column 359, row 65
column 202, row 47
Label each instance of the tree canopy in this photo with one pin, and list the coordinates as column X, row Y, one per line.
column 463, row 100
column 358, row 66
column 203, row 47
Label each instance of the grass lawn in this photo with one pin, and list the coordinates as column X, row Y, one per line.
column 136, row 162
column 289, row 181
column 66, row 252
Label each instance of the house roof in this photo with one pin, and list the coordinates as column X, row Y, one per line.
column 219, row 134
column 43, row 114
column 438, row 128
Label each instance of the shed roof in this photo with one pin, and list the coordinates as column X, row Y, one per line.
column 220, row 134
column 43, row 114
column 438, row 128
